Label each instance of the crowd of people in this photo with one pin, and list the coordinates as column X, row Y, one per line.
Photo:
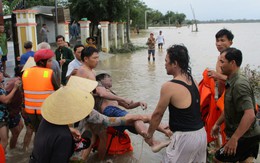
column 71, row 107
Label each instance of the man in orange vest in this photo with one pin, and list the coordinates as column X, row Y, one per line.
column 38, row 83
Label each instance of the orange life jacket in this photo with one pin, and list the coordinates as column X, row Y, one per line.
column 2, row 154
column 37, row 86
column 117, row 142
column 210, row 112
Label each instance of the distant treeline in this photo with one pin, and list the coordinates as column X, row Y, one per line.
column 231, row 21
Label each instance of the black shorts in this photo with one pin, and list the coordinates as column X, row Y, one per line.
column 246, row 147
column 4, row 58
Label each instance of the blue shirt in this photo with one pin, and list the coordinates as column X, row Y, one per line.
column 25, row 57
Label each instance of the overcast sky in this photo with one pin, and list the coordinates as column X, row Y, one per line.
column 209, row 9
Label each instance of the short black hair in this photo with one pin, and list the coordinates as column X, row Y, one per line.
column 87, row 52
column 102, row 76
column 77, row 46
column 234, row 54
column 225, row 32
column 27, row 45
column 60, row 36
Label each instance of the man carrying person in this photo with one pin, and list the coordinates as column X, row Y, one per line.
column 111, row 108
column 90, row 59
column 239, row 115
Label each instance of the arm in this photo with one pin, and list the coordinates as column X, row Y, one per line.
column 215, row 129
column 104, row 93
column 55, row 82
column 134, row 105
column 245, row 123
column 7, row 98
column 70, row 56
column 160, row 109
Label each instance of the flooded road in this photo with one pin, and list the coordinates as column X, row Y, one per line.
column 136, row 78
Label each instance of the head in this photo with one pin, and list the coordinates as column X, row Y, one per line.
column 224, row 39
column 60, row 40
column 2, row 28
column 105, row 79
column 43, row 58
column 151, row 34
column 177, row 59
column 43, row 45
column 77, row 51
column 44, row 25
column 90, row 57
column 90, row 40
column 160, row 32
column 28, row 45
column 230, row 61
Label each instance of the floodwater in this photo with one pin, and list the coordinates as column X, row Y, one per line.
column 136, row 78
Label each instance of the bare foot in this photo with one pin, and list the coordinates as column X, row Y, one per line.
column 156, row 146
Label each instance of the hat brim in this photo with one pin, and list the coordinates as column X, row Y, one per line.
column 29, row 63
column 82, row 83
column 67, row 105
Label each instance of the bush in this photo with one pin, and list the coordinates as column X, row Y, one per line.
column 127, row 48
column 253, row 76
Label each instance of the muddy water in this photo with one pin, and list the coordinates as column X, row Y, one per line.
column 136, row 78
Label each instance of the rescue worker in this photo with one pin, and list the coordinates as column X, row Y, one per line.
column 38, row 83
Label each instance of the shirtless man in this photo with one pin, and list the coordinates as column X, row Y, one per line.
column 224, row 39
column 90, row 59
column 111, row 108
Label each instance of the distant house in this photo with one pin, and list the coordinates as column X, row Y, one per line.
column 44, row 16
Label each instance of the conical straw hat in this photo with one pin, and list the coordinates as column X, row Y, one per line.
column 67, row 105
column 82, row 83
column 29, row 63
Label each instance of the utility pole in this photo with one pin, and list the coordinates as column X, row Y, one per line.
column 56, row 18
column 128, row 22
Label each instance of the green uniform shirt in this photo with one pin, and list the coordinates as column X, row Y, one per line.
column 239, row 96
column 67, row 54
column 3, row 43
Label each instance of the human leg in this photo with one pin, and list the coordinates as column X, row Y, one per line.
column 27, row 137
column 4, row 59
column 4, row 135
column 246, row 147
column 187, row 147
column 15, row 132
column 149, row 55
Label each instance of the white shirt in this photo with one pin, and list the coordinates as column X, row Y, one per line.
column 73, row 65
column 160, row 39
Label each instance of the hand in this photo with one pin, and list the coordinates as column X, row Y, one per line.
column 74, row 71
column 213, row 74
column 62, row 61
column 143, row 105
column 231, row 147
column 75, row 133
column 17, row 83
column 215, row 131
